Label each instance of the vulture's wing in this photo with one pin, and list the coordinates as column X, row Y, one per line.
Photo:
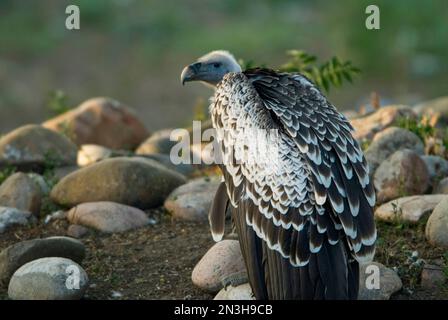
column 340, row 173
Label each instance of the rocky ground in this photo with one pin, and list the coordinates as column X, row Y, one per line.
column 153, row 262
column 90, row 199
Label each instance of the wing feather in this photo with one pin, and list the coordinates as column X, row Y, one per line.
column 278, row 193
column 336, row 162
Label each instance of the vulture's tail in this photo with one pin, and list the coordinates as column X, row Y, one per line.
column 330, row 274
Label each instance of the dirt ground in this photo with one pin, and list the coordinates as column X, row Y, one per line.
column 395, row 246
column 156, row 262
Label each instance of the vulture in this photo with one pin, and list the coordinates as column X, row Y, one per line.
column 303, row 206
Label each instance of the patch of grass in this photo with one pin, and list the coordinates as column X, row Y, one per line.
column 52, row 161
column 365, row 143
column 417, row 125
column 402, row 190
column 396, row 242
column 445, row 265
column 434, row 138
column 397, row 212
column 48, row 206
column 58, row 102
column 67, row 131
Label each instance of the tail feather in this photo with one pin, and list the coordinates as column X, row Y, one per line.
column 328, row 275
column 217, row 213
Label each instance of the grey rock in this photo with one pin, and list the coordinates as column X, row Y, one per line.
column 404, row 173
column 61, row 172
column 48, row 279
column 437, row 225
column 91, row 153
column 107, row 216
column 102, row 121
column 116, row 294
column 158, row 142
column 437, row 168
column 241, row 292
column 32, row 146
column 366, row 127
column 388, row 141
column 41, row 182
column 192, row 201
column 220, row 262
column 442, row 186
column 138, row 182
column 410, row 209
column 56, row 215
column 12, row 216
column 16, row 255
column 77, row 231
column 389, row 282
column 23, row 192
column 182, row 168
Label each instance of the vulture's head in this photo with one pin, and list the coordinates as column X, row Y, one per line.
column 210, row 68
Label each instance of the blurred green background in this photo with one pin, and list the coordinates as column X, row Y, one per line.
column 134, row 50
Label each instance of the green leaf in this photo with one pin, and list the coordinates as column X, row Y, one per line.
column 325, row 84
column 326, row 74
column 347, row 76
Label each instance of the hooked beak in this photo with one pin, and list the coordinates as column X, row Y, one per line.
column 190, row 73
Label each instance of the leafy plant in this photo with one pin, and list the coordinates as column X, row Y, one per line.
column 365, row 143
column 434, row 138
column 249, row 64
column 330, row 73
column 52, row 160
column 58, row 102
column 325, row 75
column 416, row 125
column 67, row 130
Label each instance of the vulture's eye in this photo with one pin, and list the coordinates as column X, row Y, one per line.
column 216, row 65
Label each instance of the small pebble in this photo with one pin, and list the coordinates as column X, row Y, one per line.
column 116, row 294
column 60, row 214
